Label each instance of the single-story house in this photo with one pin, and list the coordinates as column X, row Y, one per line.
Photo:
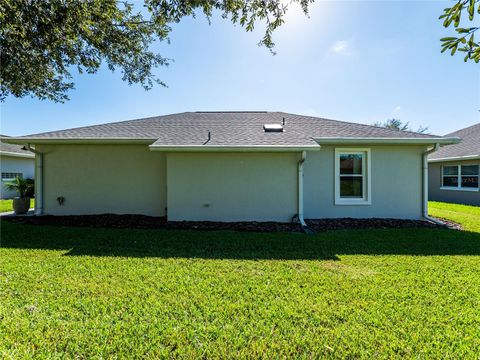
column 233, row 166
column 454, row 169
column 14, row 161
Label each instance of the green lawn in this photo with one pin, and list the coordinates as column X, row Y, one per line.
column 112, row 293
column 468, row 216
column 6, row 205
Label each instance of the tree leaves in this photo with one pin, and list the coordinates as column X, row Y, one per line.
column 399, row 125
column 465, row 41
column 43, row 41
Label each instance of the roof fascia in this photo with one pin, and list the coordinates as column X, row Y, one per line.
column 26, row 140
column 455, row 158
column 234, row 148
column 15, row 154
column 387, row 141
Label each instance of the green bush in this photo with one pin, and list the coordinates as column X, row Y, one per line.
column 22, row 186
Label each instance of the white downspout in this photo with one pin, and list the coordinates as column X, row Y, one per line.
column 300, row 189
column 425, row 185
column 38, row 180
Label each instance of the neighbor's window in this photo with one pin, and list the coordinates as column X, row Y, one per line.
column 352, row 184
column 469, row 174
column 450, row 176
column 9, row 176
column 460, row 177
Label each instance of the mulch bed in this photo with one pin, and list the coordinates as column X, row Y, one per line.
column 150, row 222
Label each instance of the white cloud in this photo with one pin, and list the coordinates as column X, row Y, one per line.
column 342, row 47
column 398, row 108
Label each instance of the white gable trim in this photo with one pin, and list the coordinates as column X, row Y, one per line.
column 15, row 154
column 234, row 148
column 455, row 158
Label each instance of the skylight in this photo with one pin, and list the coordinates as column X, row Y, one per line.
column 273, row 128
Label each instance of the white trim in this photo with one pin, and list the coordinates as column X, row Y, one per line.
column 459, row 176
column 14, row 154
column 366, row 174
column 455, row 158
column 385, row 140
column 459, row 189
column 320, row 140
column 246, row 148
column 154, row 147
column 85, row 140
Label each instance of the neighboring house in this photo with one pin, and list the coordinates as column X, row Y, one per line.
column 454, row 169
column 233, row 166
column 14, row 161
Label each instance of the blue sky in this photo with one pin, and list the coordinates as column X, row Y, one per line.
column 353, row 61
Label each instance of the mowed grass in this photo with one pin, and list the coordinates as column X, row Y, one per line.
column 108, row 293
column 7, row 205
column 468, row 216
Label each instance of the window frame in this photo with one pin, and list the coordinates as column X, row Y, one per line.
column 19, row 174
column 459, row 178
column 366, row 175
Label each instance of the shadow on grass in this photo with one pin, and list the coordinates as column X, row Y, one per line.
column 238, row 245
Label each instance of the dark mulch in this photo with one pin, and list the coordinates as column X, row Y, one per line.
column 149, row 222
column 373, row 223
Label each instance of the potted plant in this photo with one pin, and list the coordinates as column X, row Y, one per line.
column 21, row 204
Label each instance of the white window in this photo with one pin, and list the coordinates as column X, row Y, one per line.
column 352, row 177
column 460, row 177
column 9, row 176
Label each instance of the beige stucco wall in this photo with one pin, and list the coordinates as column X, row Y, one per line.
column 25, row 166
column 232, row 186
column 132, row 179
column 96, row 179
column 396, row 176
column 453, row 196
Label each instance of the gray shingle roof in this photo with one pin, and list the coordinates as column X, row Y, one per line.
column 12, row 148
column 228, row 129
column 469, row 146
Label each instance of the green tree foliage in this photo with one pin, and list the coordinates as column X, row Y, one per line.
column 42, row 41
column 396, row 124
column 465, row 40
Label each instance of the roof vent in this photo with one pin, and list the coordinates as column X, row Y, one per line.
column 273, row 128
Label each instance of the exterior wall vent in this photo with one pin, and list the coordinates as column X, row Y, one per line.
column 273, row 128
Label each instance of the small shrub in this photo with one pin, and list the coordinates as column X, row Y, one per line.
column 21, row 186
